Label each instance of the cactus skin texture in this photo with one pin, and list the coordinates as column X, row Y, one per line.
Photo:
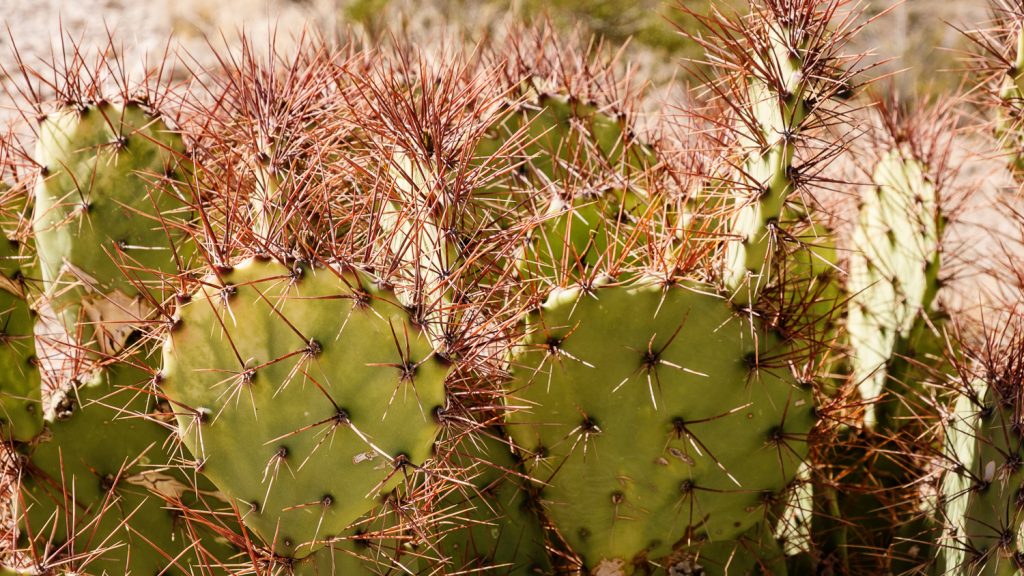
column 303, row 395
column 21, row 409
column 106, row 199
column 97, row 490
column 754, row 553
column 653, row 416
column 498, row 529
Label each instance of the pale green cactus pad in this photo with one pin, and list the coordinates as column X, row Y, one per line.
column 775, row 119
column 893, row 269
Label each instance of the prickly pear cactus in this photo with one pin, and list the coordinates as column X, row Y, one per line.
column 869, row 477
column 565, row 137
column 582, row 235
column 653, row 413
column 101, row 493
column 303, row 393
column 586, row 158
column 110, row 217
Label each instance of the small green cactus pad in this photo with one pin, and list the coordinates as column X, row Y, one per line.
column 98, row 492
column 767, row 174
column 588, row 160
column 650, row 412
column 812, row 284
column 565, row 137
column 303, row 394
column 496, row 527
column 589, row 233
column 893, row 269
column 107, row 198
column 577, row 152
column 21, row 409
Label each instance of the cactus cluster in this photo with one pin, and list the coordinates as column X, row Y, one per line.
column 432, row 310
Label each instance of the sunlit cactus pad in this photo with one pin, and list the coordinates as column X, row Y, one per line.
column 303, row 393
column 654, row 412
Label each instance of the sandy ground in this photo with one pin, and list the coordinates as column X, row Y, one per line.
column 145, row 29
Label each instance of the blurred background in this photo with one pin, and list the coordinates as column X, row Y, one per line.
column 917, row 37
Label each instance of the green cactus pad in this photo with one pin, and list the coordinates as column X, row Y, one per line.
column 583, row 156
column 812, row 283
column 651, row 413
column 303, row 394
column 587, row 159
column 893, row 269
column 495, row 527
column 98, row 491
column 565, row 137
column 21, row 409
column 107, row 199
